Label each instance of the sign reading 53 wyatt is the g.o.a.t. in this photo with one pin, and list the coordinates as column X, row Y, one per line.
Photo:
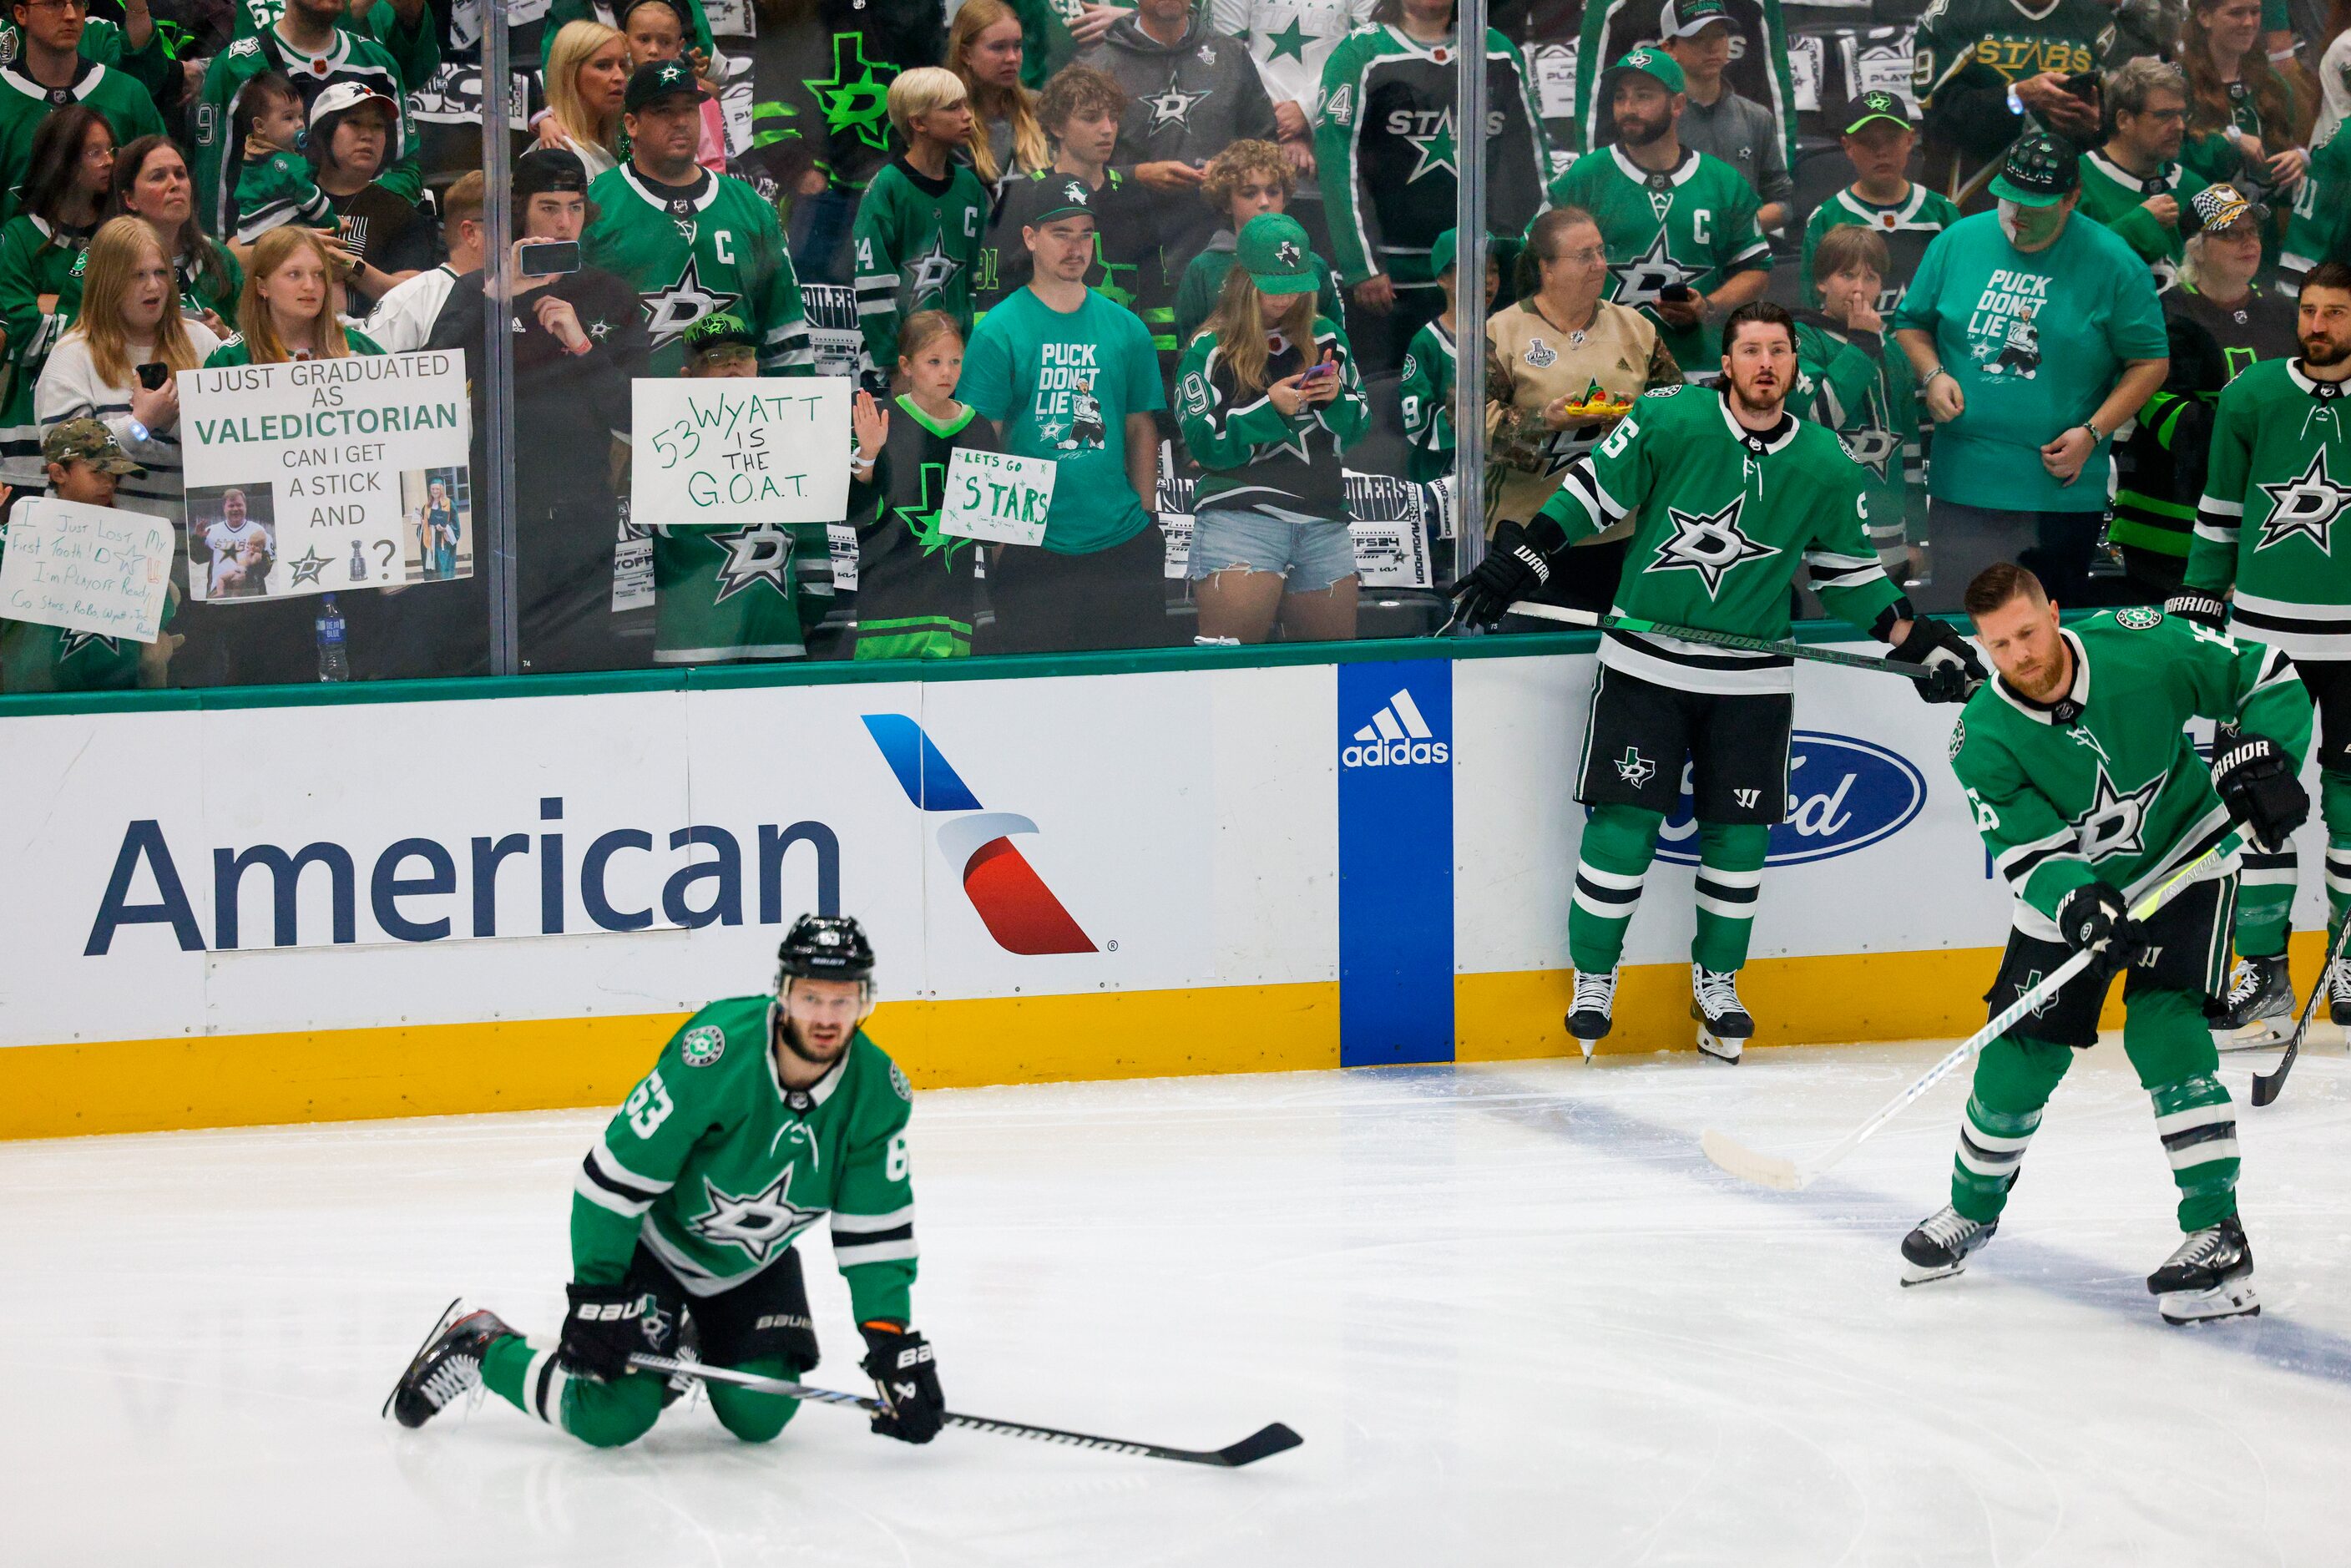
column 311, row 476
column 739, row 450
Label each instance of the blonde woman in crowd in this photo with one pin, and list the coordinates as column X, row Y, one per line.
column 984, row 48
column 587, row 72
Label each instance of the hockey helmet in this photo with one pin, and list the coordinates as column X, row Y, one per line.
column 824, row 947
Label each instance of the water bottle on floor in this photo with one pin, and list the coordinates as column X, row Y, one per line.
column 334, row 657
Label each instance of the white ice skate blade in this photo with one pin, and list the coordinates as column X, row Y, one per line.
column 1912, row 1274
column 1585, row 1045
column 2263, row 1034
column 2230, row 1299
column 1719, row 1049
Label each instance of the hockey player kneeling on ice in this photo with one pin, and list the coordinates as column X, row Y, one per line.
column 1732, row 492
column 2088, row 795
column 764, row 1113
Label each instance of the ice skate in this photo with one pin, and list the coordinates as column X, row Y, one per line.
column 2209, row 1275
column 2338, row 993
column 447, row 1366
column 1589, row 1017
column 2259, row 1010
column 1723, row 1023
column 1938, row 1248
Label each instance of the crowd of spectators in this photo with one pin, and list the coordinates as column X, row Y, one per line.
column 1204, row 258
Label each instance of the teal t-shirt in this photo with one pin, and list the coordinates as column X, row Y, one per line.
column 2035, row 343
column 1060, row 386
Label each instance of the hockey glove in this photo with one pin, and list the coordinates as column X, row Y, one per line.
column 2257, row 783
column 605, row 1326
column 899, row 1362
column 2203, row 609
column 1513, row 568
column 2095, row 913
column 1954, row 672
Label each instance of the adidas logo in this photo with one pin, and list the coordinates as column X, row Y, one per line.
column 1397, row 736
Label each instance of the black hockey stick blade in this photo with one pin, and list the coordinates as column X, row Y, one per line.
column 1275, row 1439
column 2268, row 1086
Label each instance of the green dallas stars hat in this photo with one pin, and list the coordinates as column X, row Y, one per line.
column 1650, row 62
column 1272, row 251
column 2040, row 172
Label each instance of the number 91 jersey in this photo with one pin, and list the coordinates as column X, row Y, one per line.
column 716, row 1168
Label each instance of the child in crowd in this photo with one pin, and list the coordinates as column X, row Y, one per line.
column 83, row 461
column 1428, row 368
column 1244, row 179
column 915, row 586
column 1877, row 135
column 1862, row 389
column 656, row 32
column 276, row 185
column 919, row 227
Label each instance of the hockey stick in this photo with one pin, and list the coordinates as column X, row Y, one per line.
column 1273, row 1440
column 1790, row 1176
column 2268, row 1086
column 1719, row 639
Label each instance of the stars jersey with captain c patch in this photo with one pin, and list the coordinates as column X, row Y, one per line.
column 1723, row 517
column 695, row 249
column 2102, row 783
column 2274, row 521
column 716, row 1168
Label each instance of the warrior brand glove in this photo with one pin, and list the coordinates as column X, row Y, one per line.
column 899, row 1362
column 603, row 1328
column 2257, row 783
column 2202, row 609
column 2095, row 913
column 1953, row 671
column 1512, row 568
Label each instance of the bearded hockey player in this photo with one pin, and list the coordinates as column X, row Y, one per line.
column 763, row 1115
column 2088, row 795
column 1731, row 493
column 2277, row 480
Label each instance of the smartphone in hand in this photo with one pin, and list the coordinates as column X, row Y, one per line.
column 152, row 375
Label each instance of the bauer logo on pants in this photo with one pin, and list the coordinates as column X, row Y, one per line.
column 1843, row 795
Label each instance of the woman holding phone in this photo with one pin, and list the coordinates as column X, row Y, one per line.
column 67, row 177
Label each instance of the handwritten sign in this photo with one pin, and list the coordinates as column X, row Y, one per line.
column 996, row 496
column 86, row 568
column 740, row 451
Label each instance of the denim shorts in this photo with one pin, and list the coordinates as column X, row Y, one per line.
column 1311, row 556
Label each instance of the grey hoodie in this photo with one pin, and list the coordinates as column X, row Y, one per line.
column 1191, row 99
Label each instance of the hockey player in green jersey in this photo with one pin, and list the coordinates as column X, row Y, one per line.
column 2089, row 795
column 690, row 241
column 1679, row 226
column 919, row 225
column 762, row 1116
column 48, row 71
column 2277, row 480
column 1731, row 493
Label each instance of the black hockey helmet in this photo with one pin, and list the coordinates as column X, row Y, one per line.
column 824, row 947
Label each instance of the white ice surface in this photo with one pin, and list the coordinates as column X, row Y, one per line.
column 1517, row 1317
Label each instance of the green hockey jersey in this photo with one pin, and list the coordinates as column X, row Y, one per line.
column 2117, row 198
column 691, row 250
column 722, row 594
column 416, row 51
column 1388, row 159
column 1725, row 516
column 2104, row 784
column 2320, row 227
column 1908, row 227
column 1253, row 457
column 917, row 241
column 2277, row 479
column 220, row 147
column 1862, row 388
column 1427, row 388
column 125, row 105
column 1982, row 44
column 714, row 1168
column 915, row 586
column 275, row 189
column 36, row 259
column 1693, row 225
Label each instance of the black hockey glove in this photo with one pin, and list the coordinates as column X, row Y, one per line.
column 2203, row 609
column 2257, row 783
column 1512, row 568
column 899, row 1362
column 1953, row 670
column 604, row 1326
column 2095, row 913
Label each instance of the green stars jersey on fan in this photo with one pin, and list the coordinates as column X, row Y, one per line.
column 2277, row 480
column 691, row 250
column 1389, row 156
column 1862, row 387
column 715, row 1167
column 1988, row 42
column 2104, row 784
column 724, row 594
column 36, row 259
column 914, row 584
column 2117, row 198
column 126, row 107
column 1908, row 227
column 1427, row 388
column 1693, row 225
column 1726, row 516
column 917, row 240
column 2320, row 227
column 220, row 148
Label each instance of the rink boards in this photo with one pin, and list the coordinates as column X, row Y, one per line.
column 222, row 911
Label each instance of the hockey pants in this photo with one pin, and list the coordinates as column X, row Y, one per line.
column 1619, row 841
column 608, row 1415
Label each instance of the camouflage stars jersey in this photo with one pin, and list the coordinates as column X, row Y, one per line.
column 2104, row 784
column 716, row 1168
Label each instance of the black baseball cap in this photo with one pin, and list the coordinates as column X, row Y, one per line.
column 545, row 169
column 658, row 79
column 1869, row 107
column 1042, row 198
column 2041, row 171
column 719, row 330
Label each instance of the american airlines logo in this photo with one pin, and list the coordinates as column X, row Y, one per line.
column 1397, row 736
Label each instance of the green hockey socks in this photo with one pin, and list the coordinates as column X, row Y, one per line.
column 1619, row 841
column 1729, row 875
column 2334, row 808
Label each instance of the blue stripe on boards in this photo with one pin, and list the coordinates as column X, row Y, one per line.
column 1394, row 744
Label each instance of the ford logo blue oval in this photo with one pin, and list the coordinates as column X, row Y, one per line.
column 1843, row 795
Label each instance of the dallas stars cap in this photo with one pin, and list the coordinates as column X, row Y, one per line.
column 1048, row 196
column 2218, row 208
column 1649, row 62
column 1689, row 19
column 720, row 329
column 2041, row 172
column 85, row 440
column 1272, row 251
column 1442, row 255
column 341, row 97
column 658, row 79
column 1870, row 108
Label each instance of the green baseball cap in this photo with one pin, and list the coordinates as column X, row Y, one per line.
column 2040, row 172
column 1649, row 61
column 85, row 440
column 1442, row 255
column 720, row 328
column 1273, row 252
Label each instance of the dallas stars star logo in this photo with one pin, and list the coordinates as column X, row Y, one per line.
column 933, row 270
column 2307, row 505
column 2113, row 823
column 761, row 553
column 1873, row 449
column 760, row 1224
column 1291, row 41
column 74, row 643
column 670, row 311
column 856, row 97
column 1172, row 107
column 1710, row 544
column 922, row 519
column 307, row 568
column 1438, row 151
column 1640, row 280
